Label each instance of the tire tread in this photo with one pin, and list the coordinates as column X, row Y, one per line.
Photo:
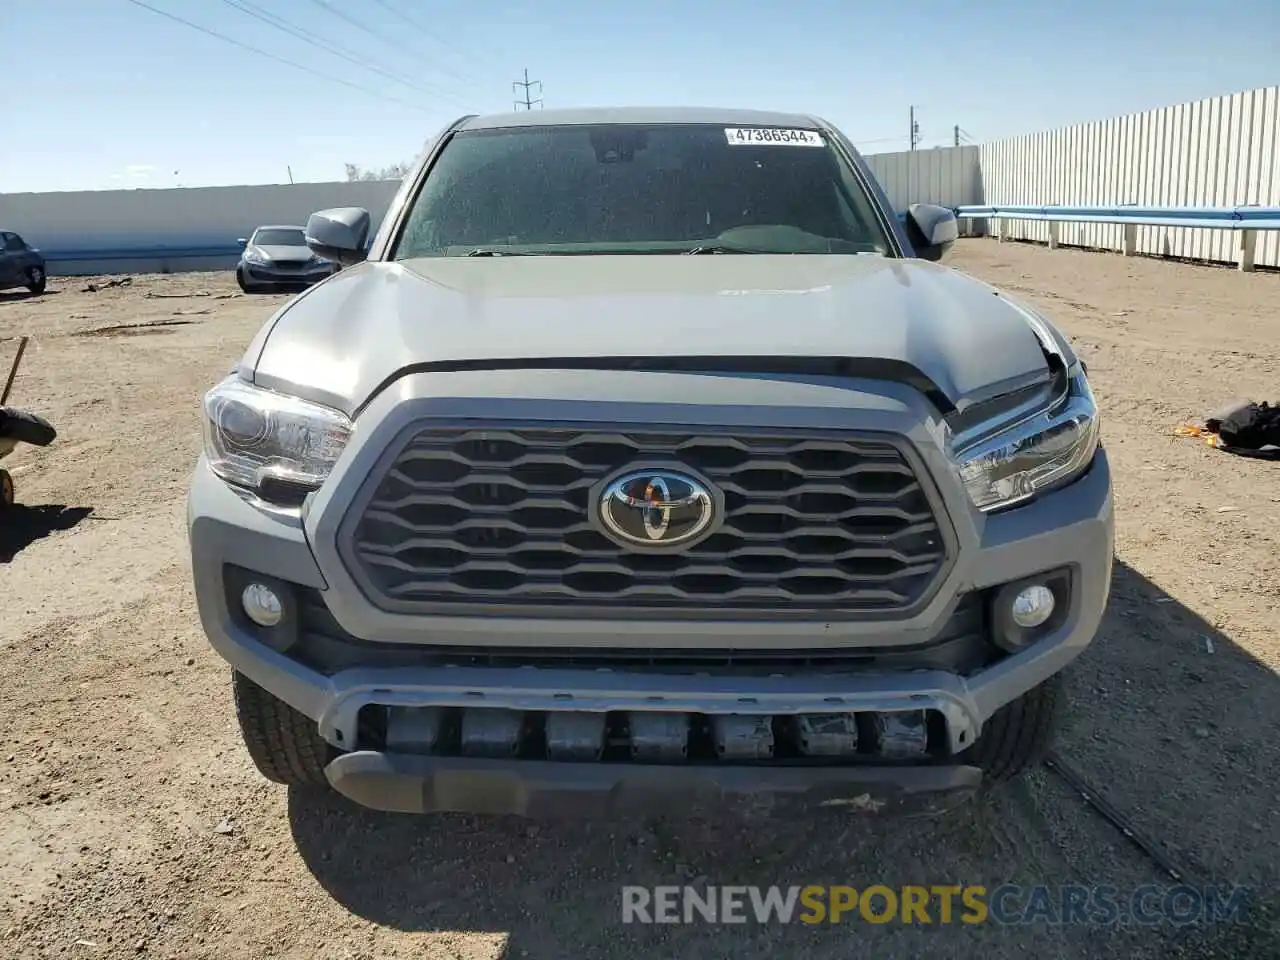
column 284, row 744
column 1018, row 735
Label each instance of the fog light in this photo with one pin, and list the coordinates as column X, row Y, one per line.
column 1033, row 606
column 262, row 605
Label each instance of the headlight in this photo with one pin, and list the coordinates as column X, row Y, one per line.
column 258, row 439
column 254, row 257
column 1045, row 451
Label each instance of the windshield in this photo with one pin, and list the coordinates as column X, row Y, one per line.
column 667, row 188
column 277, row 237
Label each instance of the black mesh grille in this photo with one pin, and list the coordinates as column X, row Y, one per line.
column 501, row 515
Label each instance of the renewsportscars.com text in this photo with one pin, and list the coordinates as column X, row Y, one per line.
column 935, row 904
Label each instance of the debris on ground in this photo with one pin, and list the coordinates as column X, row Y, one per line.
column 1244, row 428
column 152, row 295
column 125, row 329
column 107, row 284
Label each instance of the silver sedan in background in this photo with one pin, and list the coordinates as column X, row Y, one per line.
column 278, row 257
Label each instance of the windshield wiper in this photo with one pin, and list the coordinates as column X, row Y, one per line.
column 715, row 248
column 490, row 252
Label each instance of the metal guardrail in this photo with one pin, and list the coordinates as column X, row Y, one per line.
column 140, row 253
column 1246, row 221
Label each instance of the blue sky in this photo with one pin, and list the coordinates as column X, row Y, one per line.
column 103, row 94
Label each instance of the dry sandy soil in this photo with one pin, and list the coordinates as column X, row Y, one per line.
column 132, row 823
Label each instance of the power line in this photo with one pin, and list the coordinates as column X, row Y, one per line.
column 527, row 83
column 272, row 56
column 307, row 37
column 325, row 5
column 447, row 44
column 881, row 140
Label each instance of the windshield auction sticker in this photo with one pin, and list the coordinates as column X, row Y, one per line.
column 772, row 136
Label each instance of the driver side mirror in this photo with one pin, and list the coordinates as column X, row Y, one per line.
column 932, row 229
column 339, row 234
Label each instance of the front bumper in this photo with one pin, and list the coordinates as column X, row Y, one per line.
column 1069, row 531
column 270, row 275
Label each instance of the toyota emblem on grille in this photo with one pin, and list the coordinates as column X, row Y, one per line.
column 657, row 509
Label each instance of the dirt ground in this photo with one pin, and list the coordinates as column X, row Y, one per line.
column 132, row 823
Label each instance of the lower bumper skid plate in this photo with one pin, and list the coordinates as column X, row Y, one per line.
column 407, row 783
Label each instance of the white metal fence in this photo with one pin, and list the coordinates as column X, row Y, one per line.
column 126, row 231
column 948, row 175
column 1221, row 152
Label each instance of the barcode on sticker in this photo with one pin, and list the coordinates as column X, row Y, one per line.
column 771, row 136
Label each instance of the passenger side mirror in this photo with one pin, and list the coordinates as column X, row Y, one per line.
column 339, row 234
column 932, row 229
column 242, row 242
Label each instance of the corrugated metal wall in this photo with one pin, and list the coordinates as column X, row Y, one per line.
column 946, row 175
column 85, row 222
column 1221, row 152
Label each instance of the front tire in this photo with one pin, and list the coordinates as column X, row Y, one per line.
column 284, row 745
column 6, row 490
column 1018, row 735
column 243, row 282
column 36, row 281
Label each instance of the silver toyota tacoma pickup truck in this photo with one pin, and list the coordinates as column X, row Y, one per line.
column 648, row 459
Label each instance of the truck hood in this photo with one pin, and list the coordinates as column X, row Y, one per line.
column 344, row 339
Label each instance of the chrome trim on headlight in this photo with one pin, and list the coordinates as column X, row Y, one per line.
column 1033, row 455
column 256, row 438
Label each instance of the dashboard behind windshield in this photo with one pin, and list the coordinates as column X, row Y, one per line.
column 639, row 188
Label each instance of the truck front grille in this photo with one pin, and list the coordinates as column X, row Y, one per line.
column 501, row 515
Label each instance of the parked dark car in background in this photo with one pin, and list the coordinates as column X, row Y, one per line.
column 20, row 265
column 277, row 257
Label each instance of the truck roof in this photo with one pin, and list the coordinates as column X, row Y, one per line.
column 727, row 116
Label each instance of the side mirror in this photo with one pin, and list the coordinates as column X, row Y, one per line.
column 932, row 229
column 339, row 234
column 242, row 242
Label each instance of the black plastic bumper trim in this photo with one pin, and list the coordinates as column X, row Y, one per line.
column 410, row 783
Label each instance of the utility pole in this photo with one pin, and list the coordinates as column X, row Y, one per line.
column 957, row 143
column 527, row 84
column 915, row 129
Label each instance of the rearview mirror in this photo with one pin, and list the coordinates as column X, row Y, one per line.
column 339, row 234
column 932, row 229
column 242, row 242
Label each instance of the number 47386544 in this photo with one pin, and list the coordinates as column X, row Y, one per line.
column 738, row 136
